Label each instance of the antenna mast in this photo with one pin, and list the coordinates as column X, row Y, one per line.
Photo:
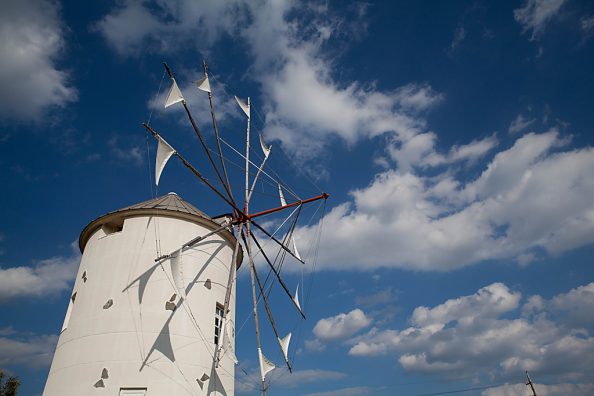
column 529, row 383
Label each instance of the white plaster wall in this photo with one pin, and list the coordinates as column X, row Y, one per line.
column 130, row 338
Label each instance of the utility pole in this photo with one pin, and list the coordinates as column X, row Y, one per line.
column 529, row 383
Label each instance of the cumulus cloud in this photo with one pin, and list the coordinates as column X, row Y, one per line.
column 301, row 96
column 520, row 123
column 32, row 42
column 283, row 380
column 46, row 277
column 341, row 326
column 135, row 26
column 470, row 152
column 25, row 349
column 353, row 391
column 489, row 332
column 306, row 105
column 530, row 199
column 541, row 389
column 534, row 15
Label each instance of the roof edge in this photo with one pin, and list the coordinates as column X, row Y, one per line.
column 126, row 213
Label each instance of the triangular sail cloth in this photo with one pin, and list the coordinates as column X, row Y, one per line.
column 164, row 152
column 284, row 343
column 229, row 340
column 281, row 196
column 177, row 270
column 244, row 107
column 203, row 84
column 266, row 365
column 295, row 251
column 265, row 150
column 296, row 298
column 174, row 95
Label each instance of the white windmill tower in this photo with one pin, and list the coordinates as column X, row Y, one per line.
column 153, row 306
column 140, row 326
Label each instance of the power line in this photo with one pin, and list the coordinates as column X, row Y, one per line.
column 460, row 390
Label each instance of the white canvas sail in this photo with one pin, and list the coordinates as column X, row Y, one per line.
column 174, row 96
column 296, row 298
column 265, row 150
column 229, row 340
column 177, row 271
column 281, row 196
column 203, row 84
column 266, row 365
column 284, row 343
column 244, row 106
column 295, row 251
column 164, row 152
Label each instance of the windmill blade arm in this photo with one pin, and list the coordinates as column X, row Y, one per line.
column 203, row 142
column 277, row 274
column 256, row 178
column 196, row 240
column 277, row 241
column 197, row 173
column 217, row 136
column 263, row 294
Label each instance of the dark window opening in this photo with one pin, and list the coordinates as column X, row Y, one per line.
column 218, row 323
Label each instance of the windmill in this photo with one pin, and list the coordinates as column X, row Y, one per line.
column 153, row 306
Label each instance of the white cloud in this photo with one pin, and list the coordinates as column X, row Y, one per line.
column 470, row 152
column 283, row 380
column 305, row 105
column 301, row 96
column 353, row 391
column 25, row 349
column 47, row 277
column 575, row 307
column 527, row 198
column 32, row 42
column 520, row 123
column 341, row 326
column 489, row 302
column 487, row 333
column 536, row 14
column 565, row 389
column 136, row 26
column 531, row 196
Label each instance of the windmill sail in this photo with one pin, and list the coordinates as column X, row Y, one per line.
column 296, row 298
column 265, row 150
column 203, row 84
column 240, row 217
column 266, row 365
column 281, row 196
column 284, row 343
column 174, row 96
column 244, row 106
column 164, row 152
column 177, row 271
column 295, row 251
column 229, row 340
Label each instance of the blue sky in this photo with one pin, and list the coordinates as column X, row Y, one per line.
column 455, row 139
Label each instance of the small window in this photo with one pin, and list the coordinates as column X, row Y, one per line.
column 69, row 311
column 218, row 323
column 132, row 391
